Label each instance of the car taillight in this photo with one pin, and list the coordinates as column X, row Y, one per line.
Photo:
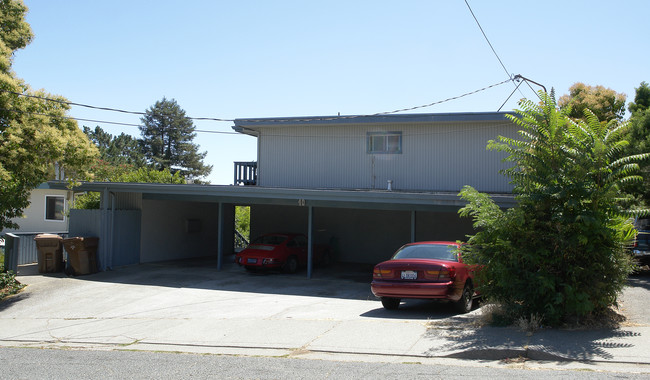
column 381, row 273
column 447, row 273
column 442, row 274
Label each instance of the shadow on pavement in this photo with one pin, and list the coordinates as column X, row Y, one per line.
column 11, row 300
column 640, row 279
column 338, row 281
column 415, row 309
column 464, row 340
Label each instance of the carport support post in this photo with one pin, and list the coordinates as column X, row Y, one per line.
column 220, row 225
column 412, row 226
column 103, row 239
column 310, row 249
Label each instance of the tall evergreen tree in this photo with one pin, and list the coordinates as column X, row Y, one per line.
column 167, row 135
column 116, row 150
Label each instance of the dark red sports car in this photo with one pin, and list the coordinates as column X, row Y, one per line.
column 430, row 270
column 284, row 251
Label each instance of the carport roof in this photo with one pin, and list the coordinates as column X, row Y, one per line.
column 364, row 199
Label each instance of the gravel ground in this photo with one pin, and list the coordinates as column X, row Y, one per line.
column 635, row 302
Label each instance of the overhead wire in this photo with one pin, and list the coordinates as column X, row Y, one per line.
column 311, row 119
column 65, row 102
column 103, row 121
column 513, row 91
column 508, row 73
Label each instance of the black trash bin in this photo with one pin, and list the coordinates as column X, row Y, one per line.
column 50, row 253
column 82, row 254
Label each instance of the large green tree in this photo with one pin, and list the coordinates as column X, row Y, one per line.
column 559, row 253
column 167, row 135
column 34, row 133
column 91, row 200
column 605, row 103
column 116, row 150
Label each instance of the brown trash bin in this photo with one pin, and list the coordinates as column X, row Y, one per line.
column 50, row 253
column 82, row 254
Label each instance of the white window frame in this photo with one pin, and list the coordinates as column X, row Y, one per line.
column 45, row 209
column 380, row 143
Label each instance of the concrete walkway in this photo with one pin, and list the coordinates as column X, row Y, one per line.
column 190, row 307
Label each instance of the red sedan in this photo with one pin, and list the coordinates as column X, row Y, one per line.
column 430, row 270
column 281, row 251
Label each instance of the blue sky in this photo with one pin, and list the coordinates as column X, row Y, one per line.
column 241, row 59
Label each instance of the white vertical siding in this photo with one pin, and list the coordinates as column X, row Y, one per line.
column 435, row 157
column 33, row 219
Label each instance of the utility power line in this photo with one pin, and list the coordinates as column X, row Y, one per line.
column 230, row 120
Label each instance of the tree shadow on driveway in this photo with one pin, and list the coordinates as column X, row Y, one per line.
column 556, row 345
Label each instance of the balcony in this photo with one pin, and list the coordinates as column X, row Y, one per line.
column 245, row 173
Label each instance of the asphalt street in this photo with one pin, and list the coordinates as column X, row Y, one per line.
column 28, row 364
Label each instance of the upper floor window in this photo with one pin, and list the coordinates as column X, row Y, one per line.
column 384, row 142
column 54, row 208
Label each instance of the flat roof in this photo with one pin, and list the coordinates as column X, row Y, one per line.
column 244, row 195
column 242, row 124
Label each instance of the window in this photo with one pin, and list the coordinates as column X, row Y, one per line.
column 54, row 207
column 384, row 142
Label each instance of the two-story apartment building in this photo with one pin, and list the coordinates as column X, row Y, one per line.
column 364, row 184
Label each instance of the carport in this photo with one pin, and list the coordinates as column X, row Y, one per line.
column 137, row 221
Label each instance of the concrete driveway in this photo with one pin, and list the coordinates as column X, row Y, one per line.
column 190, row 307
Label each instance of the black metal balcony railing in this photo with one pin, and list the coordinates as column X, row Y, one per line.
column 246, row 173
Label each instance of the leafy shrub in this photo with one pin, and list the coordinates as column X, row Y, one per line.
column 8, row 283
column 560, row 253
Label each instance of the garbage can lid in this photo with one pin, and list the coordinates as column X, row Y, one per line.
column 47, row 236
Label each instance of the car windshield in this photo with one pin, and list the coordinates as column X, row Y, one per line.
column 428, row 251
column 269, row 240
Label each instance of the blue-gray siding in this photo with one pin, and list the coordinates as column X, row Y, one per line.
column 435, row 157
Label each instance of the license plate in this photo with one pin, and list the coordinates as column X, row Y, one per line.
column 409, row 275
column 251, row 261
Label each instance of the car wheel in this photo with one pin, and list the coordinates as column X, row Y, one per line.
column 390, row 303
column 291, row 266
column 465, row 303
